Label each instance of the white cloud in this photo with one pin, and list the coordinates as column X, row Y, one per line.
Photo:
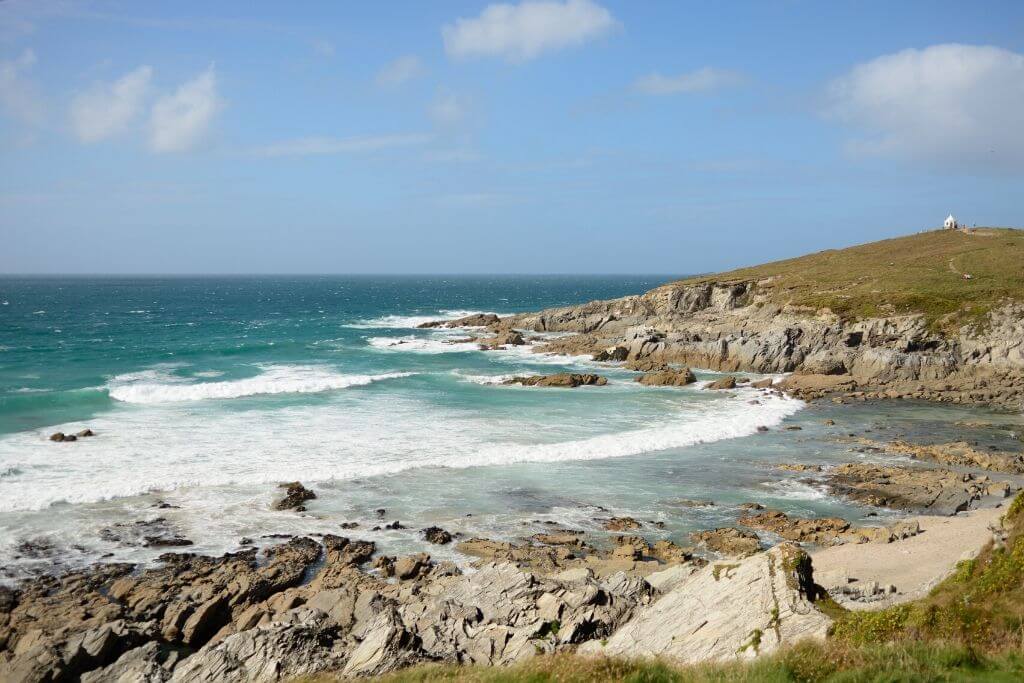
column 108, row 108
column 18, row 98
column 399, row 71
column 328, row 145
column 944, row 105
column 448, row 109
column 521, row 32
column 180, row 120
column 701, row 80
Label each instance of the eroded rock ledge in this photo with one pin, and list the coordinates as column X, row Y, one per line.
column 729, row 326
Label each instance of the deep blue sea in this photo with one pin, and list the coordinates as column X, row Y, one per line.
column 205, row 393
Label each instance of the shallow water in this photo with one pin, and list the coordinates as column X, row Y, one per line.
column 207, row 393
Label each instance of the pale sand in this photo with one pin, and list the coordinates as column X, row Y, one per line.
column 914, row 565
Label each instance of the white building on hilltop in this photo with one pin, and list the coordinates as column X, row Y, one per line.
column 949, row 223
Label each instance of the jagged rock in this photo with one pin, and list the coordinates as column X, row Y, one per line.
column 646, row 365
column 671, row 378
column 562, row 379
column 798, row 467
column 475, row 320
column 724, row 383
column 437, row 535
column 936, row 491
column 150, row 663
column 621, row 524
column 500, row 340
column 295, row 495
column 762, row 383
column 613, row 353
column 728, row 541
column 820, row 530
column 957, row 454
column 264, row 654
column 410, row 566
column 724, row 611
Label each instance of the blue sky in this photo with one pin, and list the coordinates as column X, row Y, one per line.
column 560, row 136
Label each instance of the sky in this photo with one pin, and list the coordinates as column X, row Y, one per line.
column 546, row 136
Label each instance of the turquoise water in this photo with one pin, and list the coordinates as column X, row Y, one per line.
column 205, row 393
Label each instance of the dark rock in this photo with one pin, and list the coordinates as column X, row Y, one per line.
column 563, row 380
column 57, row 436
column 437, row 535
column 295, row 495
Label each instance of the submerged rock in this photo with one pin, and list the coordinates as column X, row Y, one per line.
column 295, row 495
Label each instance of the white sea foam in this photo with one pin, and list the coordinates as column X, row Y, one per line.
column 414, row 344
column 404, row 322
column 482, row 379
column 275, row 379
column 170, row 446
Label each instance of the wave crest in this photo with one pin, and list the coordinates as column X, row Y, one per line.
column 273, row 380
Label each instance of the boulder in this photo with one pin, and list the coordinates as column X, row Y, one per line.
column 437, row 535
column 670, row 378
column 84, row 433
column 57, row 436
column 612, row 353
column 724, row 383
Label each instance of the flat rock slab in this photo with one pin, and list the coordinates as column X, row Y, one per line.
column 726, row 610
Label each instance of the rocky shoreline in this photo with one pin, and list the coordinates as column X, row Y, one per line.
column 334, row 603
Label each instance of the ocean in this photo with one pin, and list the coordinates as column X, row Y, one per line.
column 205, row 393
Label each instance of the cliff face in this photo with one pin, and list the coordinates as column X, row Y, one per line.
column 730, row 326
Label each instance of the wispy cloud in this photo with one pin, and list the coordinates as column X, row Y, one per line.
column 945, row 105
column 180, row 120
column 701, row 80
column 403, row 69
column 18, row 98
column 329, row 145
column 107, row 109
column 522, row 32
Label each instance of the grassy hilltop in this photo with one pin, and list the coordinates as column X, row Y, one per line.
column 920, row 273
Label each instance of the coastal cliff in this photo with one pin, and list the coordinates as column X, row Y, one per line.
column 940, row 336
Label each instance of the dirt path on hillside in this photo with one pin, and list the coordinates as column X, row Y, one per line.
column 914, row 565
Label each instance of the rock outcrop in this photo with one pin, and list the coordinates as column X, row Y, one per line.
column 934, row 491
column 668, row 378
column 563, row 380
column 295, row 497
column 732, row 326
column 724, row 611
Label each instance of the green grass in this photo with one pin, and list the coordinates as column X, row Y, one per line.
column 918, row 273
column 805, row 663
